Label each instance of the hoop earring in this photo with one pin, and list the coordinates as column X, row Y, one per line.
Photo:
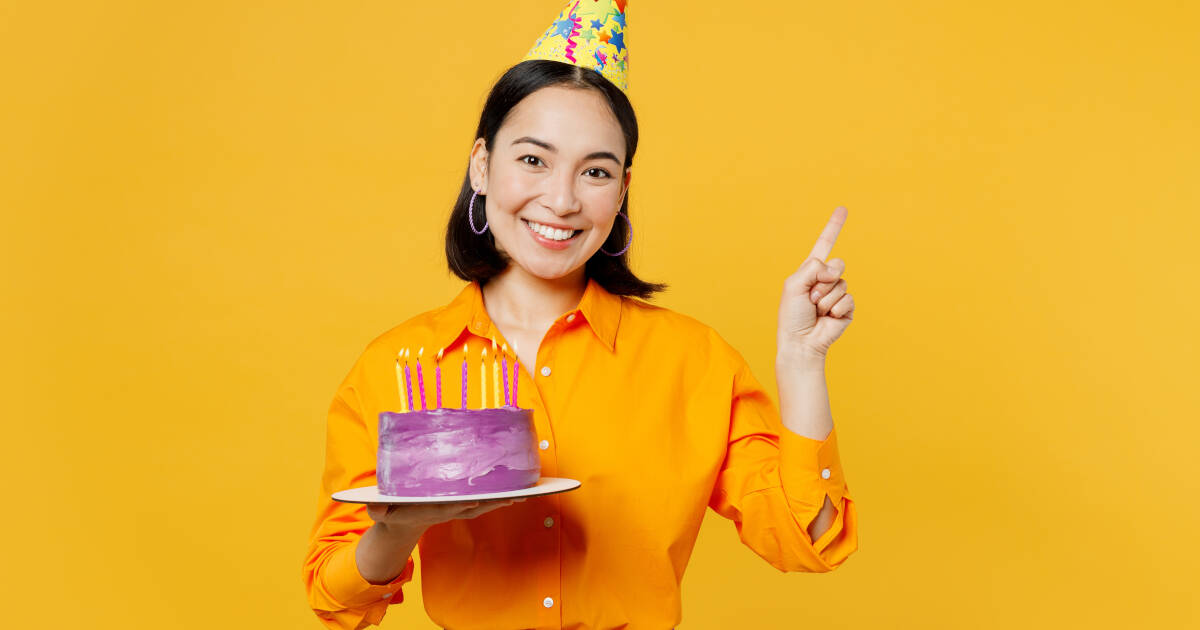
column 471, row 211
column 628, row 241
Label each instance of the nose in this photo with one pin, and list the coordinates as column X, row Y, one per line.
column 561, row 193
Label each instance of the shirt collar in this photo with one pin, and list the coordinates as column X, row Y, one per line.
column 600, row 309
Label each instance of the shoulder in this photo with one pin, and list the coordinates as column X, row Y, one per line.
column 662, row 323
column 419, row 326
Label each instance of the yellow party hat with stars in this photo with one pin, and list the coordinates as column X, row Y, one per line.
column 589, row 34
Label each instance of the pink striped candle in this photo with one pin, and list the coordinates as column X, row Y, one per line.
column 516, row 373
column 420, row 379
column 464, row 387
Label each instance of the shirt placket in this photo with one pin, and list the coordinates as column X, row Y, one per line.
column 548, row 528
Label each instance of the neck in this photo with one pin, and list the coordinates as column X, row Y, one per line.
column 520, row 299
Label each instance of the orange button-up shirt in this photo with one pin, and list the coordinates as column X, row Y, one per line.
column 657, row 416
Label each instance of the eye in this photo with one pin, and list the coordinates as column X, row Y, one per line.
column 538, row 159
column 597, row 168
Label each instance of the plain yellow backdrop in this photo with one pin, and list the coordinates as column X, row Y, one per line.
column 209, row 209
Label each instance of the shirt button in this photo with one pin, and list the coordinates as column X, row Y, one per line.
column 548, row 602
column 545, row 444
column 545, row 370
column 824, row 473
column 571, row 317
column 549, row 522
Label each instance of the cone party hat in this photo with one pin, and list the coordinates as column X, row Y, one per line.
column 589, row 34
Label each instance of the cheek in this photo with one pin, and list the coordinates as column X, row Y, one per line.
column 502, row 198
column 510, row 191
column 599, row 220
column 602, row 199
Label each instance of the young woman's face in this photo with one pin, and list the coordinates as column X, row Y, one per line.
column 555, row 170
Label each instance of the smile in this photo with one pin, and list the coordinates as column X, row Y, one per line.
column 549, row 233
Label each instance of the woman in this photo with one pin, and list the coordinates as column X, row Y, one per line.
column 652, row 410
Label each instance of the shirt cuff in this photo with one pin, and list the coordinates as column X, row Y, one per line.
column 348, row 587
column 810, row 469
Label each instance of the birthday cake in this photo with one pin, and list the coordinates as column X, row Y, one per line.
column 456, row 451
column 451, row 451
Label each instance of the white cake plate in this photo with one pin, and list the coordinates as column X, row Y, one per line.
column 371, row 494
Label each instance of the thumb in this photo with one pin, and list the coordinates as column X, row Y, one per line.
column 815, row 270
column 377, row 511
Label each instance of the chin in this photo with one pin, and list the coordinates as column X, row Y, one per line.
column 549, row 274
column 547, row 271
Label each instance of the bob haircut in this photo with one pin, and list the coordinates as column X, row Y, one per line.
column 474, row 257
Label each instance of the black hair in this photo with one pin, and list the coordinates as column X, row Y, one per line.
column 474, row 257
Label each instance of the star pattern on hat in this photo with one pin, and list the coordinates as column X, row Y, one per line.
column 618, row 40
column 563, row 27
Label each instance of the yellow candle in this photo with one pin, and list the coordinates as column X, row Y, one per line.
column 495, row 376
column 483, row 380
column 400, row 384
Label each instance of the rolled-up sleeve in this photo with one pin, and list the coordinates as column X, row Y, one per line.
column 338, row 594
column 774, row 481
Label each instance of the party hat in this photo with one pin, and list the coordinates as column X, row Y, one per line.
column 589, row 34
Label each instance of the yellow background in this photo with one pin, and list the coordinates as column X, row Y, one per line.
column 210, row 209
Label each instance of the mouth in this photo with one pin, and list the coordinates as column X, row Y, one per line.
column 550, row 235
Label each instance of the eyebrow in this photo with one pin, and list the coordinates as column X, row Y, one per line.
column 549, row 147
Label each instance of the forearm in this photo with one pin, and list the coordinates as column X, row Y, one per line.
column 383, row 552
column 804, row 407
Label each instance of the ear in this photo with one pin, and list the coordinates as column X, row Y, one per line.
column 625, row 186
column 478, row 168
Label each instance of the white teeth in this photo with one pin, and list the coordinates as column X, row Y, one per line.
column 549, row 232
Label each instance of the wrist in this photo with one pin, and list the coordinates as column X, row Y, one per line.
column 794, row 357
column 398, row 532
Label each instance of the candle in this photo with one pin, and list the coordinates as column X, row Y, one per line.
column 464, row 387
column 516, row 373
column 495, row 376
column 408, row 380
column 483, row 380
column 400, row 382
column 420, row 380
column 504, row 371
column 438, row 369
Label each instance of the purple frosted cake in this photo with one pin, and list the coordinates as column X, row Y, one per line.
column 444, row 451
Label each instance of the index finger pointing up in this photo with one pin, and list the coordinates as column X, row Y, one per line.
column 824, row 244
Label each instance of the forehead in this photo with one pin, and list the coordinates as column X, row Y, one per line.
column 571, row 119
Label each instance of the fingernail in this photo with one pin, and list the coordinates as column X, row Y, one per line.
column 815, row 296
